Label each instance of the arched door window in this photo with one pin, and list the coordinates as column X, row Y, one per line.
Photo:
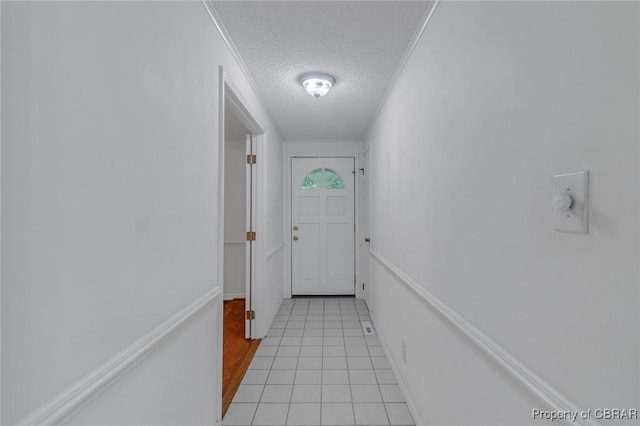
column 323, row 178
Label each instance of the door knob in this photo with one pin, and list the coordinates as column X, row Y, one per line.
column 367, row 239
column 295, row 228
column 295, row 238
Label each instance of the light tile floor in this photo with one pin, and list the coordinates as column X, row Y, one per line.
column 316, row 367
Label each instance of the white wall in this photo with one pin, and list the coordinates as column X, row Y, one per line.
column 109, row 196
column 235, row 223
column 271, row 201
column 314, row 148
column 496, row 99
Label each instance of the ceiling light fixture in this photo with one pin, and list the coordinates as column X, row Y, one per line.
column 317, row 83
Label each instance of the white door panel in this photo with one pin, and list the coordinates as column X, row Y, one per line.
column 322, row 228
column 251, row 179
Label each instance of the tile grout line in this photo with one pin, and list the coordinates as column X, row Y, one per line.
column 384, row 405
column 293, row 384
column 353, row 405
column 353, row 312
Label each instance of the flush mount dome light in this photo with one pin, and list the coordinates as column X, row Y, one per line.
column 317, row 83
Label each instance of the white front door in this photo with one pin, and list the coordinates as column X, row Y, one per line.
column 322, row 226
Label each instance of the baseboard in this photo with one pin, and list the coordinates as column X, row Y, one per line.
column 413, row 409
column 77, row 396
column 515, row 368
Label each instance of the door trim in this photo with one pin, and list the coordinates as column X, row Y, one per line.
column 365, row 229
column 230, row 98
column 342, row 148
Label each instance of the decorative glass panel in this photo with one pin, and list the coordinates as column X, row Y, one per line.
column 308, row 184
column 316, row 176
column 323, row 178
column 336, row 184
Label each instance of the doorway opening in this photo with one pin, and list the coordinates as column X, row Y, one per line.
column 238, row 347
column 237, row 260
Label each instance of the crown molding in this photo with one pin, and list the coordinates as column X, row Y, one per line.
column 233, row 49
column 417, row 35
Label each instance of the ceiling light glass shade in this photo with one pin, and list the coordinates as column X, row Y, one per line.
column 317, row 84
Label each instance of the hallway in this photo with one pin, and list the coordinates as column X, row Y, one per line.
column 492, row 236
column 316, row 367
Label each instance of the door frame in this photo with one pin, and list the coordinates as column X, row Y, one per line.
column 229, row 97
column 364, row 253
column 350, row 148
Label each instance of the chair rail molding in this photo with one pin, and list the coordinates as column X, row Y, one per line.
column 532, row 382
column 74, row 398
column 274, row 250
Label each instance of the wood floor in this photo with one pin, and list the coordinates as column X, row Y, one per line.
column 237, row 351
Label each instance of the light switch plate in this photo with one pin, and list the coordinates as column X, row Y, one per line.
column 576, row 218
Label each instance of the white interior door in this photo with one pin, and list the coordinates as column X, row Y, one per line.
column 322, row 226
column 250, row 247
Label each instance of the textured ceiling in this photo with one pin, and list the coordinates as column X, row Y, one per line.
column 359, row 42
